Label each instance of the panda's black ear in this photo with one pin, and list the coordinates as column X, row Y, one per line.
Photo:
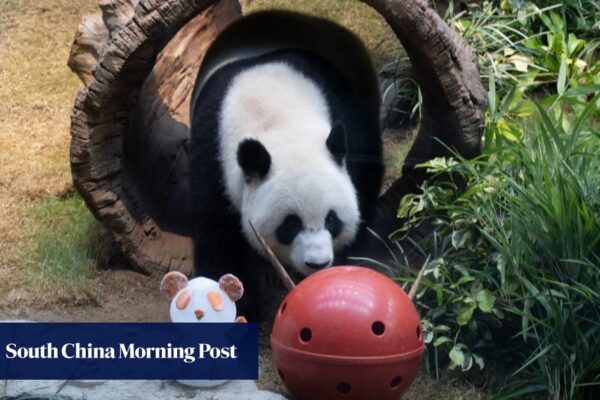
column 253, row 158
column 337, row 142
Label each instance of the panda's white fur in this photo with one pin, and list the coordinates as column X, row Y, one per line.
column 288, row 114
column 282, row 122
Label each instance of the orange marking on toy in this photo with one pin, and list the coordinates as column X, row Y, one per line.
column 241, row 319
column 215, row 300
column 199, row 314
column 183, row 299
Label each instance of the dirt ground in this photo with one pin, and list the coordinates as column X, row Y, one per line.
column 128, row 296
column 36, row 95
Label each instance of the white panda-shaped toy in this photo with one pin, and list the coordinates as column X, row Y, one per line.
column 202, row 300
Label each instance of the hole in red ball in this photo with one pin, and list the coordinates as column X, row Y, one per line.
column 281, row 374
column 395, row 383
column 305, row 335
column 418, row 332
column 378, row 328
column 283, row 307
column 343, row 387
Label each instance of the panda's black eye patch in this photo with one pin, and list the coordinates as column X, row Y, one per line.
column 333, row 224
column 289, row 229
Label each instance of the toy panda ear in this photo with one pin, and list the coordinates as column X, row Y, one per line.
column 337, row 142
column 231, row 285
column 172, row 283
column 253, row 158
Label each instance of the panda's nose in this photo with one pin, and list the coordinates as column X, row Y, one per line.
column 317, row 265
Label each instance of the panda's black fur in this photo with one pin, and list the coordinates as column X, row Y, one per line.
column 219, row 244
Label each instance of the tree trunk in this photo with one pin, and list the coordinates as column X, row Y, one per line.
column 131, row 122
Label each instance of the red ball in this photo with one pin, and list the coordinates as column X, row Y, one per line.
column 347, row 333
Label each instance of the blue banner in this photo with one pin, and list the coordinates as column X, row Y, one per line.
column 128, row 351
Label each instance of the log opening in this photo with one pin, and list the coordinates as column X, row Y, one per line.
column 131, row 119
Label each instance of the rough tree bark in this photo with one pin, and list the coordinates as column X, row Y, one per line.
column 133, row 112
column 454, row 102
column 135, row 74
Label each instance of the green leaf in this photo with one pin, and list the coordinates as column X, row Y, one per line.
column 441, row 328
column 427, row 337
column 535, row 356
column 523, row 108
column 460, row 268
column 522, row 17
column 465, row 313
column 485, row 300
column 478, row 360
column 520, row 62
column 492, row 94
column 501, row 266
column 441, row 340
column 582, row 90
column 468, row 362
column 562, row 76
column 457, row 355
column 509, row 130
column 498, row 313
column 559, row 46
column 404, row 207
column 458, row 239
column 438, row 164
column 546, row 20
column 574, row 45
column 464, row 279
column 557, row 22
column 409, row 205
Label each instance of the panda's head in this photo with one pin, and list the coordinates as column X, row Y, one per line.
column 302, row 203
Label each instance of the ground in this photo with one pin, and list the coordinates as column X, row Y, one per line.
column 56, row 262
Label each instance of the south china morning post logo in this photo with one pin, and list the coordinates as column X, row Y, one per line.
column 128, row 351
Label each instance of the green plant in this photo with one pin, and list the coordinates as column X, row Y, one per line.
column 580, row 16
column 560, row 54
column 401, row 96
column 527, row 45
column 515, row 271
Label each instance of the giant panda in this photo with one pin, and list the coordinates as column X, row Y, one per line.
column 283, row 141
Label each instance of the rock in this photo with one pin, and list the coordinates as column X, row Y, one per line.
column 133, row 390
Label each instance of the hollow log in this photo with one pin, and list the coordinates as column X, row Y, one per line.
column 141, row 70
column 454, row 101
column 130, row 123
column 90, row 37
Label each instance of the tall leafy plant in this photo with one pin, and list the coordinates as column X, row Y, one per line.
column 530, row 45
column 515, row 275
